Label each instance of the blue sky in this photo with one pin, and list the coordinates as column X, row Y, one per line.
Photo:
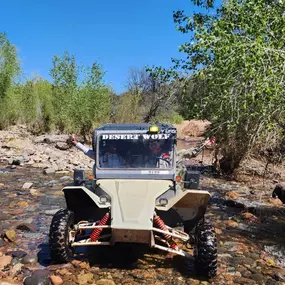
column 117, row 34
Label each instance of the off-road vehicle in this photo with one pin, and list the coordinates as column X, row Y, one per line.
column 137, row 195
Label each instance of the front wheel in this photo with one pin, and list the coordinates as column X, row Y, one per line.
column 205, row 250
column 59, row 241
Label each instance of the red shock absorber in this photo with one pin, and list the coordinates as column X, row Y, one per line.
column 95, row 234
column 160, row 223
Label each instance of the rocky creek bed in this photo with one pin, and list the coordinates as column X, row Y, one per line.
column 250, row 225
column 250, row 228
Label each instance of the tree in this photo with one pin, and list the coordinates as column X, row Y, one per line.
column 9, row 64
column 65, row 75
column 151, row 96
column 236, row 54
column 80, row 97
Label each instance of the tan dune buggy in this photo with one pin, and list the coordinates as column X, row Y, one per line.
column 137, row 196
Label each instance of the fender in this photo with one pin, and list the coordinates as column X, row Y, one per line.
column 185, row 199
column 82, row 196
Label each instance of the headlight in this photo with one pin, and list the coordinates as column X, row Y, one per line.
column 103, row 199
column 163, row 201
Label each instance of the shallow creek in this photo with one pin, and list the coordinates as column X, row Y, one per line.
column 250, row 232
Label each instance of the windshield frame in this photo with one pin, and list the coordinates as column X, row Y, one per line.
column 140, row 169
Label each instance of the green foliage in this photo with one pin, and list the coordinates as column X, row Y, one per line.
column 170, row 117
column 76, row 100
column 235, row 61
column 78, row 104
column 9, row 65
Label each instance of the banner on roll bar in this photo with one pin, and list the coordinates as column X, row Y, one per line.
column 136, row 136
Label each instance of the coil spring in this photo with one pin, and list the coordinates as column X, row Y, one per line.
column 95, row 234
column 160, row 223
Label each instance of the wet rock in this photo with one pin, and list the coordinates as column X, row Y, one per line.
column 23, row 204
column 51, row 212
column 271, row 282
column 10, row 235
column 27, row 185
column 243, row 281
column 249, row 217
column 2, row 242
column 279, row 277
column 84, row 265
column 64, row 272
column 17, row 268
column 27, row 227
column 231, row 224
column 29, row 259
column 5, row 260
column 258, row 277
column 232, row 195
column 276, row 201
column 17, row 253
column 39, row 277
column 3, row 217
column 56, row 280
column 84, row 278
column 2, row 185
column 34, row 192
column 105, row 282
column 15, row 261
column 235, row 204
column 17, row 212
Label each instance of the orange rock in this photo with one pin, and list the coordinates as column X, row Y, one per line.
column 218, row 231
column 228, row 277
column 149, row 275
column 55, row 280
column 275, row 201
column 12, row 205
column 63, row 272
column 249, row 217
column 260, row 261
column 231, row 223
column 23, row 204
column 84, row 265
column 75, row 262
column 270, row 262
column 232, row 195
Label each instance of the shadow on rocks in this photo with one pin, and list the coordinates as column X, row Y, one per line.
column 134, row 256
column 44, row 254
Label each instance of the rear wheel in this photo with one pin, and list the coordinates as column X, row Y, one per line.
column 59, row 241
column 205, row 250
